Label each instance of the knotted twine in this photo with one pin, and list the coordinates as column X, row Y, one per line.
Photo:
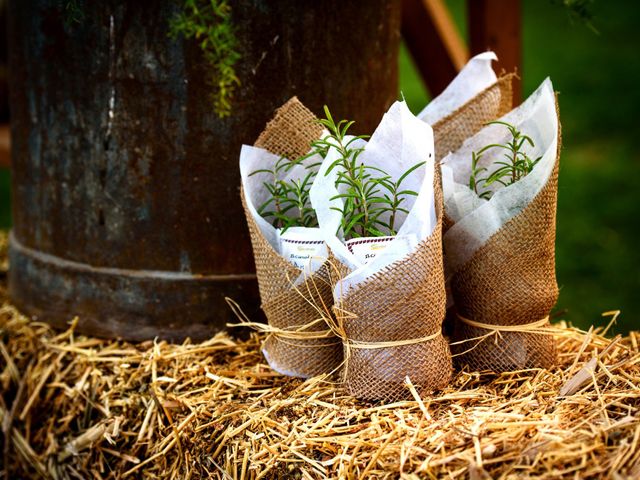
column 540, row 327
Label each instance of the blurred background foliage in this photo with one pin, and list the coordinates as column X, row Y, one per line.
column 5, row 198
column 599, row 197
column 596, row 75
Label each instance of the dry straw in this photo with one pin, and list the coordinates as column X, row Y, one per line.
column 80, row 407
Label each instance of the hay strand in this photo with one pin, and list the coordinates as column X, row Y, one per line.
column 79, row 407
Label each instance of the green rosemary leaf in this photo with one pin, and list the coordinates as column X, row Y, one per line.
column 408, row 172
column 374, row 232
column 344, row 195
column 262, row 170
column 354, row 219
column 408, row 192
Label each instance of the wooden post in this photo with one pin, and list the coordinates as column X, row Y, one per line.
column 434, row 42
column 5, row 146
column 496, row 25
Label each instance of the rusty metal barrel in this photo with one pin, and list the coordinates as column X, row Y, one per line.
column 126, row 209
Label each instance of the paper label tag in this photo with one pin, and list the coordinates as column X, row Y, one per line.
column 367, row 248
column 303, row 248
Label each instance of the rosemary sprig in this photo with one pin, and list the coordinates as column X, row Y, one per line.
column 288, row 204
column 517, row 165
column 371, row 199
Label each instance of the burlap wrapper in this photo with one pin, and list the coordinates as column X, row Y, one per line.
column 450, row 132
column 291, row 130
column 405, row 301
column 289, row 134
column 493, row 102
column 510, row 280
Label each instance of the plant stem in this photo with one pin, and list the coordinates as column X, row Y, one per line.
column 394, row 209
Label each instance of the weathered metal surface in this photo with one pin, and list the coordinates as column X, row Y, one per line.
column 125, row 182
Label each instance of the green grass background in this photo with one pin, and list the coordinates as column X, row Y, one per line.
column 597, row 75
column 599, row 198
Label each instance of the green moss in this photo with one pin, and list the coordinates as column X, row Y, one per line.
column 209, row 23
column 72, row 13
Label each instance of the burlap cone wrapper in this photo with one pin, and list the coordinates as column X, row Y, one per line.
column 402, row 303
column 490, row 104
column 291, row 130
column 510, row 281
column 289, row 134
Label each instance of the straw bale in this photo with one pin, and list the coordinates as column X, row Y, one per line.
column 79, row 407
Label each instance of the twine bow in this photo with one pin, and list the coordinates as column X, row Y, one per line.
column 336, row 324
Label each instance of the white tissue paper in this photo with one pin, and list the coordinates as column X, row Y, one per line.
column 476, row 76
column 304, row 247
column 400, row 142
column 477, row 219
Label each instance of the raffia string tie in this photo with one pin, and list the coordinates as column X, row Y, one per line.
column 300, row 332
column 390, row 344
column 297, row 332
column 336, row 324
column 505, row 328
column 496, row 330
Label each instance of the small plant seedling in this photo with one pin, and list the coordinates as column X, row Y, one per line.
column 517, row 165
column 288, row 204
column 371, row 198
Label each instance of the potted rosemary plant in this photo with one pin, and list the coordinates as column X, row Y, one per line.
column 378, row 203
column 500, row 191
column 373, row 203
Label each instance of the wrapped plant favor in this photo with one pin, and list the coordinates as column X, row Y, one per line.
column 379, row 206
column 474, row 97
column 500, row 191
column 289, row 250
